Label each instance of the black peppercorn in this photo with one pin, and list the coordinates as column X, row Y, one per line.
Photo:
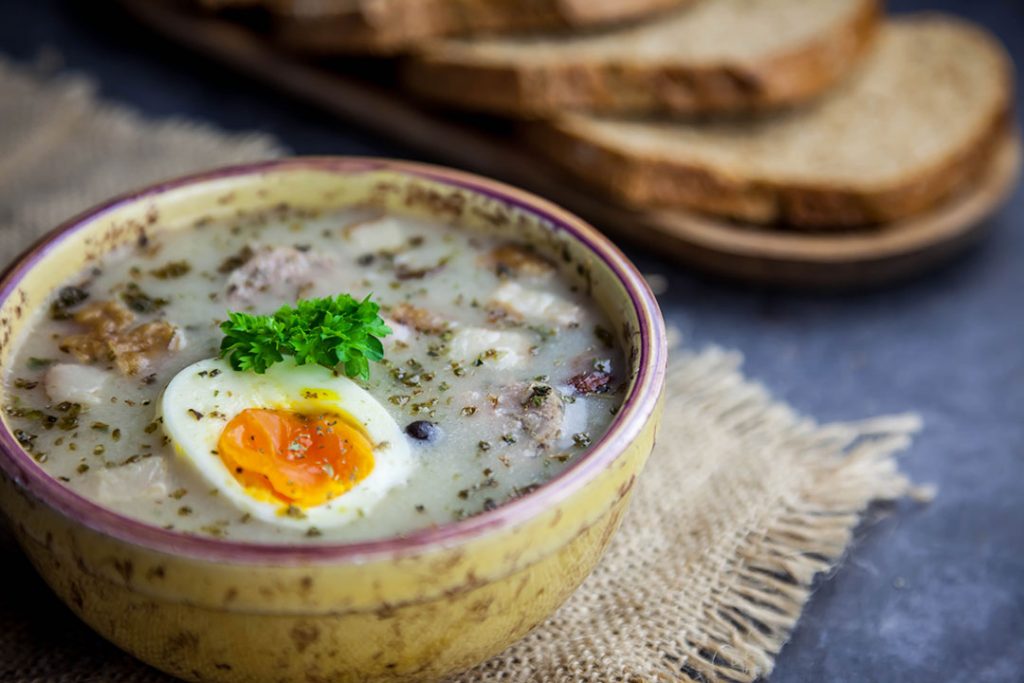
column 423, row 430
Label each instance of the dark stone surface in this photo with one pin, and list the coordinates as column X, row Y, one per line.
column 933, row 592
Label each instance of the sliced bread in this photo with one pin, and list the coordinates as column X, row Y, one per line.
column 915, row 122
column 717, row 56
column 393, row 26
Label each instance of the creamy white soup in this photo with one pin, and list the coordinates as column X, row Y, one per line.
column 497, row 374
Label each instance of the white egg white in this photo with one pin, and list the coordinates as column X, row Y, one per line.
column 201, row 399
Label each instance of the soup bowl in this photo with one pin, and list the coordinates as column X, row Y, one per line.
column 416, row 607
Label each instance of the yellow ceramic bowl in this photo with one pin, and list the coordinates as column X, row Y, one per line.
column 414, row 608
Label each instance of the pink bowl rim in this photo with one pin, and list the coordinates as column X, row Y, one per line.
column 636, row 411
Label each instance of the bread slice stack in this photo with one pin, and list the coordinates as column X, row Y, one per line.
column 797, row 116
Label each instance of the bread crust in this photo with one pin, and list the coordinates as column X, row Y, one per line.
column 539, row 90
column 389, row 27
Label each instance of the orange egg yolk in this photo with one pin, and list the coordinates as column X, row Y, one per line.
column 301, row 460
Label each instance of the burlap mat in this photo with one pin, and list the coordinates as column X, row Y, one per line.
column 743, row 501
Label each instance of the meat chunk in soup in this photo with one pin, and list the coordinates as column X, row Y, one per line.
column 109, row 339
column 275, row 274
column 540, row 411
column 532, row 415
column 419, row 319
column 514, row 260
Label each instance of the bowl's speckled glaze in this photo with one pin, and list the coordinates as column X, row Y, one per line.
column 412, row 608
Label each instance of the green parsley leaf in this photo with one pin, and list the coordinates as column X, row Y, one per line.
column 332, row 332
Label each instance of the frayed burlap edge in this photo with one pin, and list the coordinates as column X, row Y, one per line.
column 847, row 466
column 765, row 587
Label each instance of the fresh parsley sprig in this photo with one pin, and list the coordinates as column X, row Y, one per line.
column 333, row 331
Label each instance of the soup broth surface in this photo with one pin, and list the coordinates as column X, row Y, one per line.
column 499, row 371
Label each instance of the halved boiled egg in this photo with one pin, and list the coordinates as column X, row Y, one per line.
column 296, row 446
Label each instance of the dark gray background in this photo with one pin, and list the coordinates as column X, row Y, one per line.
column 927, row 592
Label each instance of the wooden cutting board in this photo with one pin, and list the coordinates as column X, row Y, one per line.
column 762, row 255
